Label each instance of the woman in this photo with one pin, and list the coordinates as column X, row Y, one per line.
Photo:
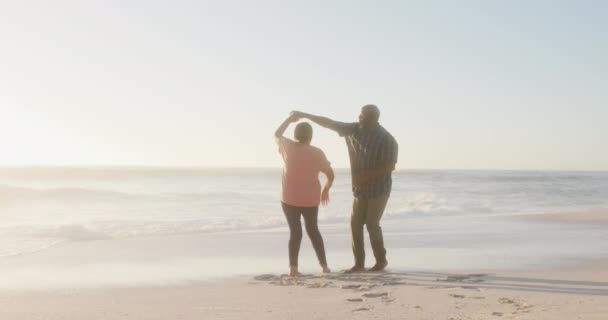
column 301, row 191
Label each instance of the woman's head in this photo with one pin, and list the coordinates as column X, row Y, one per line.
column 303, row 132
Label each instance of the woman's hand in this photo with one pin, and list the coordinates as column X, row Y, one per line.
column 281, row 129
column 325, row 197
column 298, row 114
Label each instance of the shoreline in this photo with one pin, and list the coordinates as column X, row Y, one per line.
column 484, row 245
column 592, row 216
column 443, row 288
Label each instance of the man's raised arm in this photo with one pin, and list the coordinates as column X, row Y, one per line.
column 340, row 127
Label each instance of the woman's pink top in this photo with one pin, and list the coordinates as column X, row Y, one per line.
column 301, row 187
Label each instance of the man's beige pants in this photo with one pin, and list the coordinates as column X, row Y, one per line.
column 368, row 211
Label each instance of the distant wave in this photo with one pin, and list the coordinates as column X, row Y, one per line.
column 63, row 232
column 23, row 239
column 19, row 240
column 128, row 229
column 231, row 196
column 24, row 247
column 11, row 193
column 20, row 193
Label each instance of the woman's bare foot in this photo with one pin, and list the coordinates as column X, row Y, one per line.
column 325, row 269
column 293, row 271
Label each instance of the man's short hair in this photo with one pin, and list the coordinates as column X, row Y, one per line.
column 303, row 132
column 373, row 110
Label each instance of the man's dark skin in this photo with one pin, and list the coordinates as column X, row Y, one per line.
column 368, row 119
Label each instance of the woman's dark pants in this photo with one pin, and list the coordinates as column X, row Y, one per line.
column 293, row 213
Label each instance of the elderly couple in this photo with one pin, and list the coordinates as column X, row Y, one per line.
column 373, row 155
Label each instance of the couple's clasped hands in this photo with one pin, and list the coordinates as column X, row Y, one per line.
column 295, row 116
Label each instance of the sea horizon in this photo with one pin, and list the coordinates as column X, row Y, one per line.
column 202, row 167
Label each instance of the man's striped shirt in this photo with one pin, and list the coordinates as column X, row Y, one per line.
column 369, row 149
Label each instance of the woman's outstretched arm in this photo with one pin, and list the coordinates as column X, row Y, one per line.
column 281, row 129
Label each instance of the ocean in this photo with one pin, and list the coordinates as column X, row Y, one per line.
column 125, row 226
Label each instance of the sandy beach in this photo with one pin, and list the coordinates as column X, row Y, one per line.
column 579, row 292
column 576, row 291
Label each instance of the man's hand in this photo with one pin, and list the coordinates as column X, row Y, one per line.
column 364, row 177
column 360, row 179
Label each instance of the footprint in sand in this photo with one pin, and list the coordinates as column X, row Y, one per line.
column 387, row 300
column 266, row 277
column 465, row 279
column 497, row 314
column 354, row 300
column 520, row 306
column 368, row 287
column 361, row 309
column 506, row 301
column 351, row 286
column 317, row 285
column 457, row 296
column 375, row 295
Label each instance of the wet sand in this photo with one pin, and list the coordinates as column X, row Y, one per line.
column 597, row 216
column 579, row 292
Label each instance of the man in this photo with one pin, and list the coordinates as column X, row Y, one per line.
column 373, row 155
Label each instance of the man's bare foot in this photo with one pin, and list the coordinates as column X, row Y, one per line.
column 325, row 269
column 355, row 269
column 379, row 266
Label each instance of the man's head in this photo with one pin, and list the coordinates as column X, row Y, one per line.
column 369, row 116
column 303, row 132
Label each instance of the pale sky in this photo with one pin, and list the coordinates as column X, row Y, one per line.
column 461, row 84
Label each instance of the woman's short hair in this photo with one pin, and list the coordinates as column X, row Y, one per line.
column 303, row 132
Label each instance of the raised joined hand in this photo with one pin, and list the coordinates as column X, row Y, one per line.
column 297, row 114
column 293, row 118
